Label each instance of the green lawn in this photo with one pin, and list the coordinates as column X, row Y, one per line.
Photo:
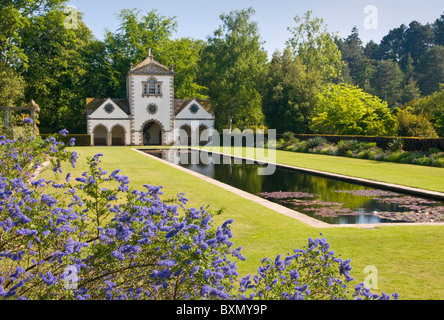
column 409, row 259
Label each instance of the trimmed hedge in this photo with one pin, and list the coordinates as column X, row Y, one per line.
column 409, row 144
column 82, row 140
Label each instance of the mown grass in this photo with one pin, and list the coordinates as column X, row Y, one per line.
column 408, row 259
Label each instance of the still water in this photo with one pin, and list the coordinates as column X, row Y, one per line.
column 329, row 200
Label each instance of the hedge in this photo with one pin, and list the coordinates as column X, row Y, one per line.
column 409, row 144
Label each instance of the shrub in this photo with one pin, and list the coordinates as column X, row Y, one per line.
column 347, row 145
column 94, row 237
column 315, row 142
column 411, row 125
column 423, row 161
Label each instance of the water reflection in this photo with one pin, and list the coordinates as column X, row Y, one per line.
column 344, row 205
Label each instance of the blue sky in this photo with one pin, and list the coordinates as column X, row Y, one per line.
column 199, row 18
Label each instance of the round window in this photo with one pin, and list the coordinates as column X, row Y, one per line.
column 152, row 108
column 194, row 108
column 109, row 108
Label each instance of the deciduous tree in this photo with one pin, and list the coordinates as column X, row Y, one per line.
column 347, row 110
column 233, row 65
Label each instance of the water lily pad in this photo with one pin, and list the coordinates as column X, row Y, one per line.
column 287, row 195
column 369, row 193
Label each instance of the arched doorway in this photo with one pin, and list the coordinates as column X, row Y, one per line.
column 204, row 135
column 185, row 135
column 100, row 136
column 118, row 136
column 152, row 134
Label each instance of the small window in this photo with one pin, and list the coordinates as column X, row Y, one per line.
column 152, row 87
column 194, row 108
column 152, row 109
column 109, row 108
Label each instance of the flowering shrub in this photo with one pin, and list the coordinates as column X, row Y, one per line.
column 93, row 237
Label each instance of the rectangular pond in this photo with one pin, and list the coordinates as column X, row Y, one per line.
column 327, row 199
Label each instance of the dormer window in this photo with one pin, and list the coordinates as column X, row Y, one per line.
column 152, row 88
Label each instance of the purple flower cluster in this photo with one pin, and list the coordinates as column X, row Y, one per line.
column 312, row 273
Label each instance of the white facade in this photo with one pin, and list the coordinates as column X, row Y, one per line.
column 149, row 115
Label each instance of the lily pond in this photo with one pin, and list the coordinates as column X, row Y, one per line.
column 330, row 200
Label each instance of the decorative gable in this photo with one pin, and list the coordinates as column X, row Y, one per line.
column 192, row 109
column 151, row 69
column 108, row 108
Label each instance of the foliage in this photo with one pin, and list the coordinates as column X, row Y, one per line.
column 289, row 94
column 94, row 237
column 57, row 71
column 386, row 82
column 308, row 274
column 136, row 33
column 412, row 125
column 15, row 15
column 316, row 47
column 232, row 68
column 347, row 110
column 430, row 107
column 363, row 150
column 431, row 70
column 12, row 86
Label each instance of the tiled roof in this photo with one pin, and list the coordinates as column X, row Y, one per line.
column 94, row 103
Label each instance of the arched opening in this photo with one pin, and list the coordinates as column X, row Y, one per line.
column 185, row 135
column 204, row 135
column 152, row 134
column 118, row 136
column 100, row 136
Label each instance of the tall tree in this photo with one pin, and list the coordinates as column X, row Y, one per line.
column 430, row 70
column 12, row 86
column 316, row 47
column 232, row 68
column 14, row 16
column 417, row 39
column 360, row 66
column 56, row 72
column 184, row 54
column 290, row 94
column 438, row 30
column 391, row 45
column 137, row 32
column 387, row 82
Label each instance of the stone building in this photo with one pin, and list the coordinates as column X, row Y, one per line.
column 149, row 115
